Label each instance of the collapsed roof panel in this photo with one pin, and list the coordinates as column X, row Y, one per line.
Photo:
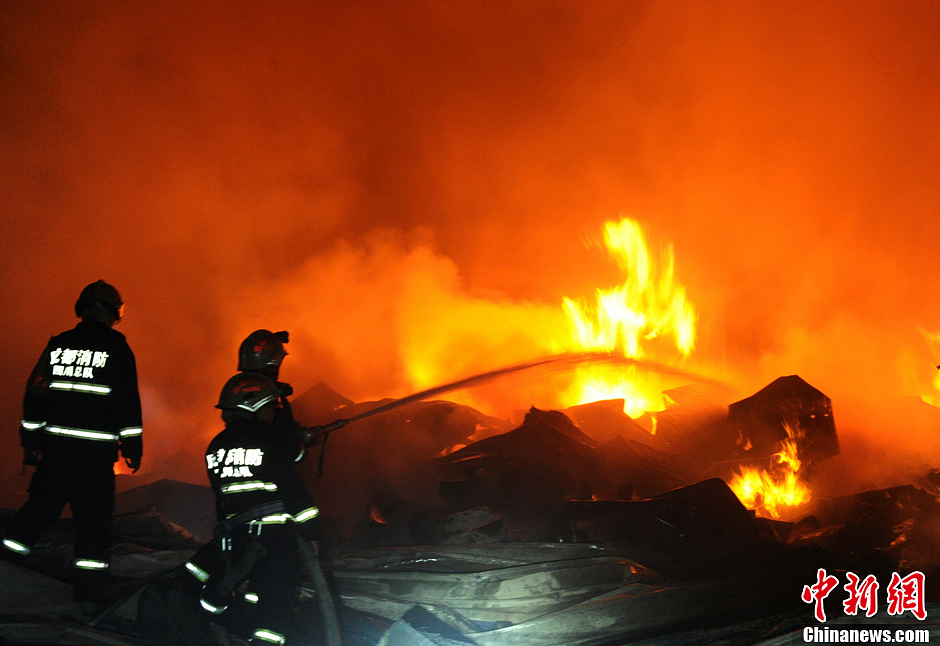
column 787, row 406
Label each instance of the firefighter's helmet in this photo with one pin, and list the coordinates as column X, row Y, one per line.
column 100, row 295
column 262, row 350
column 246, row 393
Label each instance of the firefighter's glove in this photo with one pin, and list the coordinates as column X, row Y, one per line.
column 31, row 457
column 132, row 463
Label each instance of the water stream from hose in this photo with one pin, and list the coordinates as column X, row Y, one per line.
column 554, row 362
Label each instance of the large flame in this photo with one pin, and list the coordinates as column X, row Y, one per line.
column 772, row 492
column 646, row 317
column 649, row 305
column 932, row 396
column 931, row 393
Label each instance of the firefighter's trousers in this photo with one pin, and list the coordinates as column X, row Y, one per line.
column 87, row 486
column 264, row 598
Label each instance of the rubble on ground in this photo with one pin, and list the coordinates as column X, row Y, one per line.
column 571, row 528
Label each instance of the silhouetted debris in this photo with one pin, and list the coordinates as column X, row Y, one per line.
column 548, row 534
column 142, row 541
column 689, row 566
column 695, row 532
column 880, row 532
column 604, row 421
column 703, row 513
column 321, row 404
column 183, row 504
column 476, row 525
column 538, row 464
column 150, row 529
column 629, row 469
column 388, row 456
column 760, row 422
column 541, row 594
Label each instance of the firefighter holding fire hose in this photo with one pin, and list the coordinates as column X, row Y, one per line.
column 263, row 508
column 81, row 410
column 262, row 352
column 259, row 360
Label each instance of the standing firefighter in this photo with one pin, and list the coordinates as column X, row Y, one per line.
column 81, row 409
column 262, row 507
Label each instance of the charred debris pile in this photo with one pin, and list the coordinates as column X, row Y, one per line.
column 574, row 527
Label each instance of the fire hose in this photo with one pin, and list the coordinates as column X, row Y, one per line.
column 312, row 435
column 318, row 434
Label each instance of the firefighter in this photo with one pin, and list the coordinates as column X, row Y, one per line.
column 263, row 508
column 80, row 412
column 263, row 351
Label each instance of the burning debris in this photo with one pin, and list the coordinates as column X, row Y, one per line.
column 793, row 423
column 541, row 534
column 780, row 486
column 785, row 407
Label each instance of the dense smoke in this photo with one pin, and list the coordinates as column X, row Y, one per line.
column 378, row 178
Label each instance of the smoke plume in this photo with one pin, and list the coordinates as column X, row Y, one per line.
column 385, row 180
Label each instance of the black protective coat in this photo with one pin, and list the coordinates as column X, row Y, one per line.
column 81, row 408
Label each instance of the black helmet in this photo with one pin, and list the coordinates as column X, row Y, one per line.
column 246, row 393
column 261, row 350
column 99, row 295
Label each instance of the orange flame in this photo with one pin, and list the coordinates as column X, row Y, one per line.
column 649, row 305
column 770, row 493
column 931, row 393
column 933, row 397
column 646, row 317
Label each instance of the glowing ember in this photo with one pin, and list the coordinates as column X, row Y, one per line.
column 377, row 516
column 771, row 492
column 649, row 305
column 451, row 449
column 121, row 469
